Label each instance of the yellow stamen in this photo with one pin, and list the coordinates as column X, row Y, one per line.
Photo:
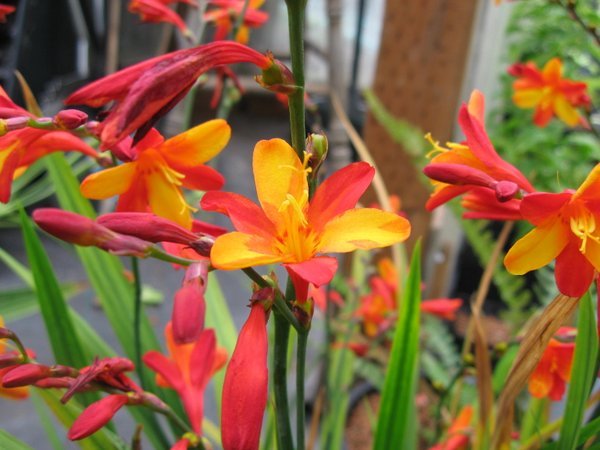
column 583, row 226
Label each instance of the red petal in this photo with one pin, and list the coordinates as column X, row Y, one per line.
column 318, row 271
column 166, row 368
column 201, row 178
column 539, row 206
column 573, row 272
column 340, row 192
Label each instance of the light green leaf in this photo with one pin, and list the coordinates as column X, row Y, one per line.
column 397, row 427
column 9, row 442
column 583, row 374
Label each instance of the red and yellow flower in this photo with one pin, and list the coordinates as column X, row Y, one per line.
column 566, row 229
column 159, row 168
column 473, row 164
column 549, row 93
column 289, row 229
column 225, row 13
column 553, row 371
column 156, row 11
column 459, row 433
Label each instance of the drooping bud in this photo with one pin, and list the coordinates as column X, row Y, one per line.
column 506, row 190
column 12, row 358
column 81, row 230
column 25, row 375
column 245, row 385
column 69, row 119
column 189, row 306
column 96, row 416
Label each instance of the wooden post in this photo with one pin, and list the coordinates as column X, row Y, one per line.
column 422, row 60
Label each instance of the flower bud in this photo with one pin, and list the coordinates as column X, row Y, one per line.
column 203, row 245
column 81, row 230
column 245, row 385
column 12, row 358
column 506, row 190
column 69, row 119
column 147, row 226
column 277, row 77
column 25, row 374
column 317, row 147
column 96, row 416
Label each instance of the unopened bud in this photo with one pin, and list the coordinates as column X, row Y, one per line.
column 506, row 190
column 81, row 230
column 203, row 245
column 147, row 226
column 317, row 147
column 5, row 333
column 69, row 119
column 11, row 358
column 277, row 77
column 25, row 374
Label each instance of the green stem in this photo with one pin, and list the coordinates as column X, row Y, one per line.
column 296, row 100
column 156, row 253
column 300, row 369
column 137, row 319
column 282, row 408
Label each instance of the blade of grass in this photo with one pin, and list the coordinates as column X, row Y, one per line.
column 22, row 302
column 582, row 375
column 46, row 420
column 9, row 442
column 65, row 343
column 396, row 427
column 18, row 269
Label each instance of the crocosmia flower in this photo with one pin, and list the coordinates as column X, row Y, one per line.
column 549, row 93
column 148, row 90
column 566, row 229
column 473, row 164
column 159, row 168
column 21, row 148
column 553, row 371
column 156, row 11
column 225, row 13
column 289, row 229
column 459, row 433
column 16, row 393
column 188, row 370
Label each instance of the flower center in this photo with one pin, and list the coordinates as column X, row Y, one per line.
column 297, row 241
column 583, row 225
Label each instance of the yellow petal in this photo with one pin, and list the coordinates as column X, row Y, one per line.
column 166, row 199
column 198, row 144
column 527, row 98
column 589, row 188
column 239, row 250
column 537, row 248
column 277, row 172
column 565, row 111
column 592, row 253
column 109, row 182
column 363, row 228
column 552, row 71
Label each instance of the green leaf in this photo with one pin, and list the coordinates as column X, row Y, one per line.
column 65, row 344
column 219, row 317
column 503, row 367
column 22, row 302
column 18, row 269
column 9, row 442
column 396, row 427
column 583, row 374
column 46, row 420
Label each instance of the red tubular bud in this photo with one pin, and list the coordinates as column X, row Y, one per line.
column 80, row 230
column 458, row 174
column 245, row 385
column 25, row 374
column 11, row 358
column 189, row 306
column 96, row 416
column 147, row 226
column 506, row 190
column 69, row 119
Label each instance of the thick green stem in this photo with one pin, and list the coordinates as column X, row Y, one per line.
column 300, row 369
column 296, row 100
column 137, row 319
column 282, row 408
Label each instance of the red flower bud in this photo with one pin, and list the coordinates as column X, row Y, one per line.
column 25, row 374
column 189, row 306
column 147, row 226
column 80, row 230
column 69, row 119
column 96, row 416
column 245, row 385
column 11, row 358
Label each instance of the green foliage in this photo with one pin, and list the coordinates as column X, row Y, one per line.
column 397, row 423
column 440, row 357
column 9, row 442
column 583, row 374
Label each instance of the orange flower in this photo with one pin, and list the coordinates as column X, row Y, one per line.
column 289, row 229
column 566, row 229
column 226, row 12
column 459, row 432
column 158, row 169
column 553, row 371
column 156, row 11
column 472, row 165
column 549, row 93
column 188, row 370
column 21, row 148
